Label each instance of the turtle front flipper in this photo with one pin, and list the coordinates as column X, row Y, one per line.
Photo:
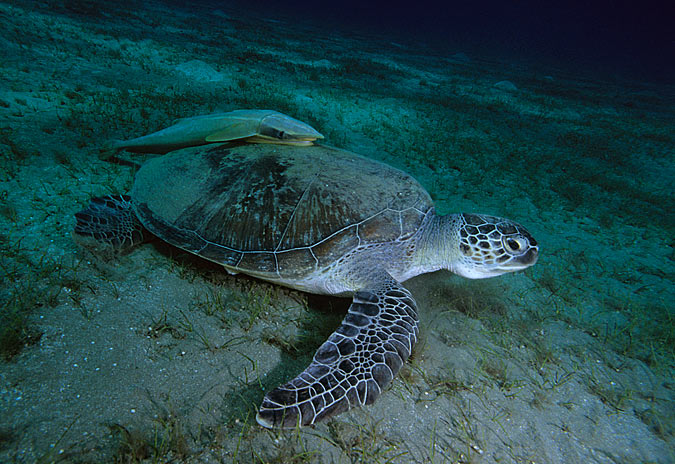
column 355, row 364
column 108, row 223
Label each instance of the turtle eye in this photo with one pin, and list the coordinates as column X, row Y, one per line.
column 514, row 245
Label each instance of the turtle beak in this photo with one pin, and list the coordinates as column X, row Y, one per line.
column 523, row 261
column 531, row 257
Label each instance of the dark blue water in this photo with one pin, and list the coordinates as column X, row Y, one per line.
column 624, row 39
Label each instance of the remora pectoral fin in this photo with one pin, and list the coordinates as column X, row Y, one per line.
column 355, row 364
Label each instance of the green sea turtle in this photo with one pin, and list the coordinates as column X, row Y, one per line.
column 320, row 220
column 255, row 126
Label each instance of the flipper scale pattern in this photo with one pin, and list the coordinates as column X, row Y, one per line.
column 356, row 363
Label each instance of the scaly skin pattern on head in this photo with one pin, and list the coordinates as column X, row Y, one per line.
column 475, row 246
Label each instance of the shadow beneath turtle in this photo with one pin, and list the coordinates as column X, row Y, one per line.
column 115, row 159
column 188, row 265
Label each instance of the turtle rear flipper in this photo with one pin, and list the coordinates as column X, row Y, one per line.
column 107, row 224
column 355, row 364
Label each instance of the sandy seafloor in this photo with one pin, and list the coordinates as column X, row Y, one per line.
column 156, row 356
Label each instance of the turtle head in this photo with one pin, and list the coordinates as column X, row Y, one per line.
column 490, row 246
